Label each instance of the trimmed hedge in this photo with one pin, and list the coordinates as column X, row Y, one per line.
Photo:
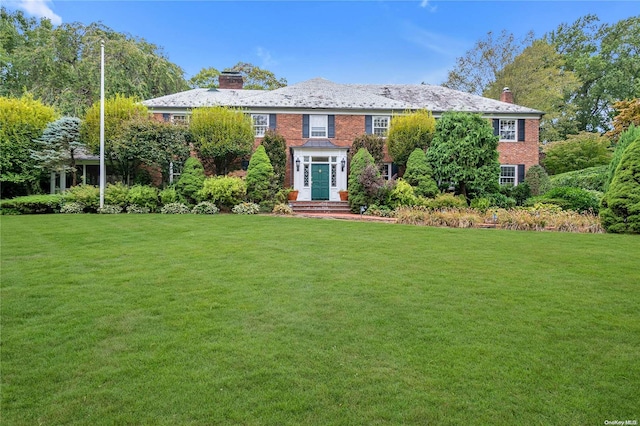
column 592, row 178
column 32, row 204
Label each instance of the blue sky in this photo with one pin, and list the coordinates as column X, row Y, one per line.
column 343, row 41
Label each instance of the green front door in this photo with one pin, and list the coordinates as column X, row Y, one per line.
column 319, row 181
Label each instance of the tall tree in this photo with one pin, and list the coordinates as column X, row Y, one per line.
column 222, row 134
column 480, row 65
column 577, row 152
column 118, row 112
column 606, row 60
column 206, row 78
column 537, row 79
column 61, row 65
column 22, row 121
column 627, row 115
column 59, row 146
column 257, row 78
column 464, row 151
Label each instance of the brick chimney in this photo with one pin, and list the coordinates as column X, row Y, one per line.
column 506, row 95
column 230, row 80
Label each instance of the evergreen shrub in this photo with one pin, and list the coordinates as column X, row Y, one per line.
column 168, row 196
column 402, row 195
column 621, row 204
column 357, row 194
column 538, row 180
column 275, row 146
column 260, row 177
column 372, row 143
column 628, row 136
column 570, row 198
column 191, row 180
column 420, row 175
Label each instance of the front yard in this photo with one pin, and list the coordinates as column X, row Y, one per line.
column 226, row 319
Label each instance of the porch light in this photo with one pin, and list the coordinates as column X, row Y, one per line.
column 343, row 163
column 298, row 164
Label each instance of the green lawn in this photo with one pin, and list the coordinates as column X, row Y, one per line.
column 154, row 319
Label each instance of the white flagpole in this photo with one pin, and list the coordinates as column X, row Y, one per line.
column 103, row 177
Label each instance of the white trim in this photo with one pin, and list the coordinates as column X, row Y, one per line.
column 321, row 122
column 515, row 174
column 306, row 155
column 260, row 130
column 515, row 129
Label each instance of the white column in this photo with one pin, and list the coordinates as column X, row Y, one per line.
column 52, row 184
column 63, row 181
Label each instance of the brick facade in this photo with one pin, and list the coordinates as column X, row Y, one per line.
column 522, row 152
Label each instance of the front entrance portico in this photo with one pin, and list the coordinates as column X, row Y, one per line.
column 319, row 170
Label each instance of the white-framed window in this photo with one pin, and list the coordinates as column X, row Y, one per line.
column 386, row 171
column 180, row 118
column 260, row 124
column 508, row 175
column 318, row 125
column 508, row 130
column 380, row 125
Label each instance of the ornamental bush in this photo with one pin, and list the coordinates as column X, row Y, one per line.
column 246, row 208
column 420, row 175
column 32, row 204
column 402, row 195
column 135, row 209
column 408, row 132
column 175, row 208
column 577, row 152
column 443, row 201
column 569, row 198
column 357, row 194
column 282, row 209
column 110, row 209
column 143, row 196
column 372, row 143
column 205, row 207
column 168, row 196
column 260, row 177
column 191, row 180
column 116, row 194
column 223, row 191
column 621, row 204
column 275, row 146
column 72, row 208
column 538, row 180
column 85, row 194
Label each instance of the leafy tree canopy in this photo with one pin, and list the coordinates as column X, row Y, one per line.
column 61, row 65
column 408, row 132
column 627, row 114
column 222, row 134
column 254, row 77
column 576, row 152
column 22, row 121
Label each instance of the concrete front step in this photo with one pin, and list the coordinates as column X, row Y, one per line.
column 320, row 206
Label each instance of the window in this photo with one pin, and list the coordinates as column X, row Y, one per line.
column 507, row 130
column 380, row 125
column 318, row 125
column 260, row 124
column 508, row 175
column 385, row 171
column 179, row 119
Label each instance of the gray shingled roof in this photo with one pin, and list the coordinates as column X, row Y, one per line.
column 319, row 93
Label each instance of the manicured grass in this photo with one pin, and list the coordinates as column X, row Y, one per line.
column 154, row 319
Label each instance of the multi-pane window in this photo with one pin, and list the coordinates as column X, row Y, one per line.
column 508, row 175
column 260, row 124
column 179, row 119
column 385, row 171
column 306, row 175
column 318, row 125
column 508, row 130
column 380, row 125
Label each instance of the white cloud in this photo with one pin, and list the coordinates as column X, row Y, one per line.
column 426, row 4
column 434, row 42
column 267, row 59
column 39, row 9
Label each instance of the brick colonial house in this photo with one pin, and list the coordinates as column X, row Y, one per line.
column 320, row 119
